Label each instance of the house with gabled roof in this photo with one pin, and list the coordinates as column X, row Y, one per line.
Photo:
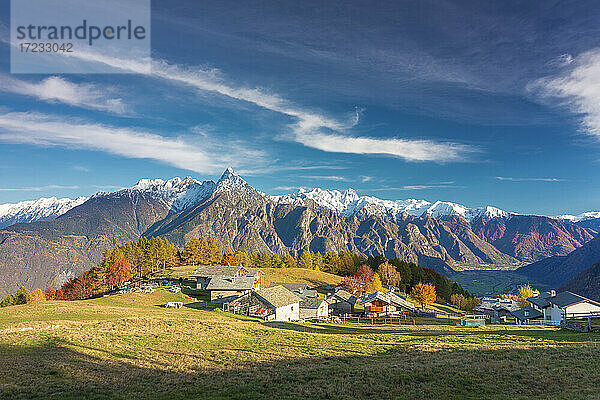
column 274, row 304
column 205, row 273
column 556, row 308
column 313, row 308
column 341, row 302
column 226, row 288
column 379, row 303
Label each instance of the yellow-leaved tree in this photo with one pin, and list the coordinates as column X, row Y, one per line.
column 423, row 293
column 37, row 295
column 376, row 285
column 525, row 292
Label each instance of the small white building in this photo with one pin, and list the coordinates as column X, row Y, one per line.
column 556, row 308
column 274, row 304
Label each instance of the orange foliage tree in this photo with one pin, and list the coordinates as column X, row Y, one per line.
column 360, row 282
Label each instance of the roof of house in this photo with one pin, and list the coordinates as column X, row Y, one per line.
column 278, row 296
column 304, row 294
column 566, row 299
column 399, row 300
column 541, row 300
column 230, row 283
column 345, row 296
column 252, row 271
column 526, row 313
column 389, row 298
column 290, row 286
column 216, row 270
column 311, row 302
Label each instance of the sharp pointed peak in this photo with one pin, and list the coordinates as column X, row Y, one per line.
column 231, row 180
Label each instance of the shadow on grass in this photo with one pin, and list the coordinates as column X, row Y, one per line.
column 556, row 335
column 58, row 369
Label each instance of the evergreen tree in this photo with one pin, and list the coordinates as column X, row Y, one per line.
column 8, row 301
column 22, row 296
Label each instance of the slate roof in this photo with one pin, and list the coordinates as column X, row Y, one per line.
column 532, row 313
column 566, row 299
column 290, row 286
column 311, row 302
column 345, row 296
column 399, row 300
column 541, row 300
column 278, row 296
column 389, row 298
column 230, row 283
column 216, row 270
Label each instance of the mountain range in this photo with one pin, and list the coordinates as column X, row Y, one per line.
column 439, row 235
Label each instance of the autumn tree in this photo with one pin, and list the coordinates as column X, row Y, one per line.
column 36, row 296
column 389, row 275
column 305, row 260
column 376, row 286
column 424, row 293
column 459, row 301
column 524, row 292
column 360, row 282
column 50, row 293
column 288, row 261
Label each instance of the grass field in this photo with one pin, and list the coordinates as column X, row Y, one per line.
column 125, row 346
column 299, row 275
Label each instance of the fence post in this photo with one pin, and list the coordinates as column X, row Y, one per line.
column 589, row 323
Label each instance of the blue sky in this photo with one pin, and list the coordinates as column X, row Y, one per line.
column 480, row 103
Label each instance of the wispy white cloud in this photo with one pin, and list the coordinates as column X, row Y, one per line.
column 414, row 187
column 409, row 150
column 288, row 188
column 513, row 179
column 57, row 89
column 326, row 178
column 38, row 188
column 578, row 88
column 364, row 178
column 81, row 168
column 48, row 130
column 310, row 128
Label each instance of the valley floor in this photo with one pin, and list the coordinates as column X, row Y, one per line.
column 126, row 346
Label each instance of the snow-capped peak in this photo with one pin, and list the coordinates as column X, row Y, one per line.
column 43, row 209
column 349, row 203
column 231, row 181
column 176, row 192
column 586, row 216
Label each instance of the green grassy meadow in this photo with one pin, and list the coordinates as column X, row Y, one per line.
column 125, row 346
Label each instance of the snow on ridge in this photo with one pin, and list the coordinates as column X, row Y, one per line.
column 43, row 209
column 349, row 203
column 581, row 217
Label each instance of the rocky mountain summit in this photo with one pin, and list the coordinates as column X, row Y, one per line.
column 439, row 235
